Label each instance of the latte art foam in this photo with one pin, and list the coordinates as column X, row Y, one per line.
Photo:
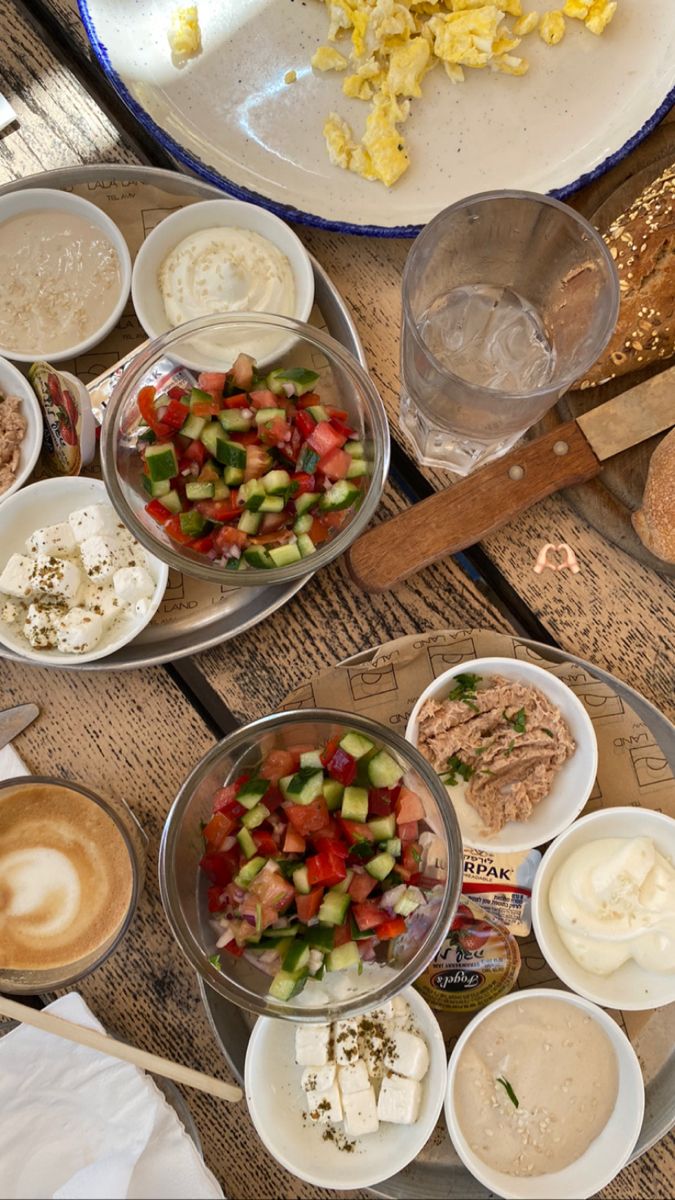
column 65, row 877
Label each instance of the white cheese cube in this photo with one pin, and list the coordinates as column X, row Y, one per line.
column 360, row 1113
column 401, row 1011
column 399, row 1100
column 53, row 539
column 101, row 599
column 10, row 613
column 372, row 1051
column 78, row 631
column 40, row 626
column 318, row 1079
column 312, row 1045
column 101, row 556
column 93, row 520
column 346, row 1037
column 384, row 1013
column 132, row 584
column 17, row 577
column 353, row 1078
column 324, row 1106
column 408, row 1055
column 58, row 578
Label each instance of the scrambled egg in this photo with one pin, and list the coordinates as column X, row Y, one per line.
column 394, row 43
column 185, row 38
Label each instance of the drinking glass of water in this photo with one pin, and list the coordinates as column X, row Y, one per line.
column 508, row 298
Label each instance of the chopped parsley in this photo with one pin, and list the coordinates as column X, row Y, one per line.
column 517, row 721
column 465, row 689
column 457, row 767
column 548, row 732
column 509, row 748
column 509, row 1091
column 214, row 959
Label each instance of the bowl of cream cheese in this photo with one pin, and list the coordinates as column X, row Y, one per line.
column 221, row 257
column 603, row 908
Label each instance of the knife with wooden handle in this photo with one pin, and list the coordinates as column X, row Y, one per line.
column 476, row 506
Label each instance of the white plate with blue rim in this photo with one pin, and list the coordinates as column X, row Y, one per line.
column 230, row 117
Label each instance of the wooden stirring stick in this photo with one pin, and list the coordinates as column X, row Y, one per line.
column 49, row 1023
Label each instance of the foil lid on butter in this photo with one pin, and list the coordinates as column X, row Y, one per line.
column 478, row 962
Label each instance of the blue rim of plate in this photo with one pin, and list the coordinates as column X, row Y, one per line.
column 286, row 211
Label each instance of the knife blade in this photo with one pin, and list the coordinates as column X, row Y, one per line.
column 14, row 720
column 468, row 511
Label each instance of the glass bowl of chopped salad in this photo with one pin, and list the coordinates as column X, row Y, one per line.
column 310, row 865
column 251, row 475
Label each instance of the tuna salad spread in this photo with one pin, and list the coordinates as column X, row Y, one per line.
column 503, row 738
column 12, row 433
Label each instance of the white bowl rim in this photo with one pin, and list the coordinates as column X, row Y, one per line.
column 621, row 1043
column 588, row 993
column 492, row 664
column 429, row 1026
column 159, row 569
column 33, row 414
column 53, row 198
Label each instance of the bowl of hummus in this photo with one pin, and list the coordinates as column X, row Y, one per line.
column 20, row 429
column 514, row 746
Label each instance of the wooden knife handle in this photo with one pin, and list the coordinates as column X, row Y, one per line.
column 470, row 509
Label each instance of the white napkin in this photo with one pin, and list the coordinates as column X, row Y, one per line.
column 7, row 114
column 77, row 1125
column 11, row 763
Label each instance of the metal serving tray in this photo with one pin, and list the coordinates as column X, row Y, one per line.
column 437, row 1173
column 187, row 626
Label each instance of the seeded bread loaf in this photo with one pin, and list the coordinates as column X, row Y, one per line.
column 654, row 523
column 642, row 244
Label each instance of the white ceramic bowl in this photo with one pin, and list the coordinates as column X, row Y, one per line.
column 630, row 987
column 13, row 204
column 46, row 503
column 13, row 383
column 276, row 1104
column 572, row 784
column 210, row 214
column 605, row 1156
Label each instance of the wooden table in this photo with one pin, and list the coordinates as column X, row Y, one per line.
column 110, row 730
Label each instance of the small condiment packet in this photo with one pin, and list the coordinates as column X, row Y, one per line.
column 478, row 962
column 162, row 375
column 502, row 884
column 69, row 437
column 7, row 114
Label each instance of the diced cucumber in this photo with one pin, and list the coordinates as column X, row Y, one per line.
column 192, row 523
column 384, row 771
column 380, row 866
column 343, row 885
column 393, row 846
column 318, row 412
column 356, row 744
column 248, row 847
column 214, row 439
column 355, row 449
column 302, row 379
column 408, row 902
column 257, row 556
column 233, row 476
column 332, row 794
column 359, row 935
column 311, row 758
column 172, row 501
column 341, row 495
column 343, row 957
column 197, row 396
column 383, row 827
column 276, row 483
column 252, row 494
column 306, row 501
column 273, row 504
column 354, row 804
column 283, row 556
column 193, row 427
column 234, row 421
column 264, row 415
column 220, row 490
column 301, row 881
column 161, row 461
column 160, row 487
column 297, row 955
column 250, row 522
column 288, row 931
column 252, row 792
column 305, row 786
column 284, row 783
column 287, row 984
column 255, row 816
column 249, row 871
column 334, row 907
column 234, row 455
column 359, row 467
column 321, row 937
column 306, row 545
column 194, row 490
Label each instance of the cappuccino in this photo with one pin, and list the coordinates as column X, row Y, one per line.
column 66, row 877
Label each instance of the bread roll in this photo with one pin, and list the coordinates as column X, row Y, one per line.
column 642, row 244
column 654, row 523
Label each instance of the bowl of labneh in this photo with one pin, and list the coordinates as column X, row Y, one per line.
column 215, row 258
column 66, row 272
column 514, row 746
column 603, row 908
column 545, row 1097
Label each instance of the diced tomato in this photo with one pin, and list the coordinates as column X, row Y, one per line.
column 220, row 866
column 361, row 886
column 426, row 882
column 240, row 400
column 329, row 750
column 245, row 439
column 218, row 510
column 354, row 831
column 202, row 545
column 342, row 767
column 175, row 415
column 216, row 899
column 326, row 869
column 319, row 532
column 175, row 532
column 258, row 462
column 391, row 929
column 196, row 452
column 340, row 414
column 334, row 520
column 176, row 392
column 339, row 422
column 233, row 948
column 270, row 887
column 380, row 802
column 273, row 799
column 265, row 843
column 206, row 408
column 146, row 407
column 212, row 382
column 412, row 857
column 307, row 818
column 368, row 915
column 304, row 423
column 242, row 371
column 330, row 845
column 218, row 829
column 294, row 842
column 278, row 764
column 409, row 807
column 264, row 399
column 158, row 512
column 324, row 438
column 225, row 797
column 309, row 905
column 335, row 464
column 302, row 482
column 343, row 934
column 408, row 831
column 308, row 400
column 271, row 522
column 275, row 431
column 226, row 536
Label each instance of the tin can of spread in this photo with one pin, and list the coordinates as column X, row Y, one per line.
column 69, row 428
column 478, row 962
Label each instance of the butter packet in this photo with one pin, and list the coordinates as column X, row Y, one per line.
column 502, row 885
